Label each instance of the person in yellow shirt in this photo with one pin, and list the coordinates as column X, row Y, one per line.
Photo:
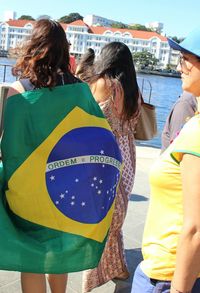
column 171, row 240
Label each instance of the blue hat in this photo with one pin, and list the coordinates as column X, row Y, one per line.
column 190, row 45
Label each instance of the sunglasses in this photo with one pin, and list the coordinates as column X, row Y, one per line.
column 187, row 62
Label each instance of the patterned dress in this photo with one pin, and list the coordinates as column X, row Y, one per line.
column 113, row 262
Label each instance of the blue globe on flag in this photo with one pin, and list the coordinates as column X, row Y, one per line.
column 83, row 172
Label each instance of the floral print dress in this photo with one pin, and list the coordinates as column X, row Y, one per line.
column 113, row 262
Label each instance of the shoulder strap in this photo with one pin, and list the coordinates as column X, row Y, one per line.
column 27, row 85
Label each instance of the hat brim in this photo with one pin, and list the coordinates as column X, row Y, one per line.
column 175, row 46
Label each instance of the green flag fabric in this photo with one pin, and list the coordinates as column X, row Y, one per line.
column 60, row 171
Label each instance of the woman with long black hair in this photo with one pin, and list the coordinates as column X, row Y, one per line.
column 112, row 80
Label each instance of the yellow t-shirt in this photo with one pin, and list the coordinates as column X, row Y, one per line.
column 165, row 215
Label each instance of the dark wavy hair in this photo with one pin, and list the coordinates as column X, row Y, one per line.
column 84, row 68
column 44, row 54
column 116, row 64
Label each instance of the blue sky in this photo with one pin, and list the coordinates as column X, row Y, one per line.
column 179, row 16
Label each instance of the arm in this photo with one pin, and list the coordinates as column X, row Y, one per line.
column 188, row 251
column 103, row 90
column 14, row 89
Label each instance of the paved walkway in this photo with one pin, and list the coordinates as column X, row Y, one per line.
column 133, row 228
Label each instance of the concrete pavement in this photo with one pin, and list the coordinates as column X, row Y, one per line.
column 133, row 228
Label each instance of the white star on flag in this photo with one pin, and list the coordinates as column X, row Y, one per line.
column 83, row 204
column 57, row 202
column 99, row 191
column 62, row 195
column 73, row 197
column 102, row 152
column 100, row 181
column 72, row 203
column 52, row 178
column 95, row 178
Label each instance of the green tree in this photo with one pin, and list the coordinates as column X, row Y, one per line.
column 139, row 27
column 119, row 25
column 176, row 39
column 144, row 59
column 27, row 17
column 71, row 17
column 169, row 67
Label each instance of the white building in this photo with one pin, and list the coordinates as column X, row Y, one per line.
column 94, row 20
column 155, row 25
column 13, row 32
column 82, row 36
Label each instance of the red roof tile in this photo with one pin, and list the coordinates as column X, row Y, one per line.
column 23, row 22
column 78, row 22
column 64, row 25
column 19, row 22
column 99, row 30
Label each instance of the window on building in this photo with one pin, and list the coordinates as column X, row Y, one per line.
column 127, row 35
column 108, row 33
column 117, row 34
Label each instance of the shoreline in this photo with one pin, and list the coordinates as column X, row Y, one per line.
column 160, row 73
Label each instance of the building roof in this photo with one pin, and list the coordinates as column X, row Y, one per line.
column 64, row 25
column 135, row 33
column 19, row 22
column 99, row 30
column 23, row 22
column 78, row 22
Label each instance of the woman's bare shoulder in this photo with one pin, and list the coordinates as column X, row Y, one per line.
column 101, row 89
column 15, row 88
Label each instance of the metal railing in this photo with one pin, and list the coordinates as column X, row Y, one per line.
column 6, row 72
column 144, row 90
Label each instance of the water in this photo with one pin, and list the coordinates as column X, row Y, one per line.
column 8, row 76
column 165, row 91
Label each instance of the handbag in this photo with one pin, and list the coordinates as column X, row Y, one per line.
column 146, row 127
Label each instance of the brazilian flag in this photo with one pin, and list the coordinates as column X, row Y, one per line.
column 61, row 168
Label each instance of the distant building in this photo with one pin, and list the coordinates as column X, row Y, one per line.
column 83, row 36
column 94, row 20
column 9, row 15
column 157, row 26
column 13, row 32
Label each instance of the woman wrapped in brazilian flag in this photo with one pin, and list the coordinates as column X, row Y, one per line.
column 60, row 168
